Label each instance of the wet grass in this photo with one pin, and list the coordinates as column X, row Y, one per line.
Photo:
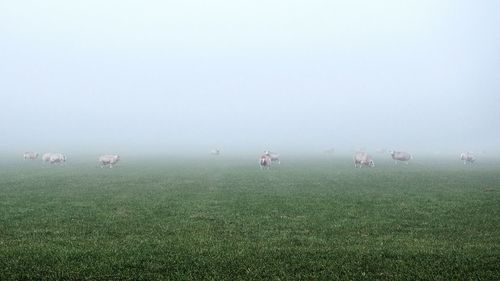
column 224, row 219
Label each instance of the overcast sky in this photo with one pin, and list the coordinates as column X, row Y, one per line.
column 118, row 75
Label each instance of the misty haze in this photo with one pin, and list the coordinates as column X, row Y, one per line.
column 250, row 140
column 130, row 76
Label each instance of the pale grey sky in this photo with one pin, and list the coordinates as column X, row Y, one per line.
column 117, row 75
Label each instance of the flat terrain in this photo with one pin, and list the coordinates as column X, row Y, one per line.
column 215, row 218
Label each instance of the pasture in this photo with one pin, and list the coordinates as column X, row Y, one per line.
column 220, row 218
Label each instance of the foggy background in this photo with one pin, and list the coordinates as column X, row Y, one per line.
column 116, row 76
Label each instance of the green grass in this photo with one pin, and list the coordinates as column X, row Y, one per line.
column 224, row 219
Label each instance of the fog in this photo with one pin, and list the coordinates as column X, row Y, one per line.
column 118, row 76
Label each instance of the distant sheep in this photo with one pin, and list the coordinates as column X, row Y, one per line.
column 363, row 159
column 108, row 160
column 265, row 161
column 401, row 156
column 275, row 157
column 467, row 157
column 30, row 155
column 57, row 158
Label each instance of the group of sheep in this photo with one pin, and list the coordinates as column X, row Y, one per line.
column 58, row 158
column 49, row 157
column 361, row 158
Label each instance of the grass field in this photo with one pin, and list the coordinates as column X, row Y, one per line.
column 215, row 218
